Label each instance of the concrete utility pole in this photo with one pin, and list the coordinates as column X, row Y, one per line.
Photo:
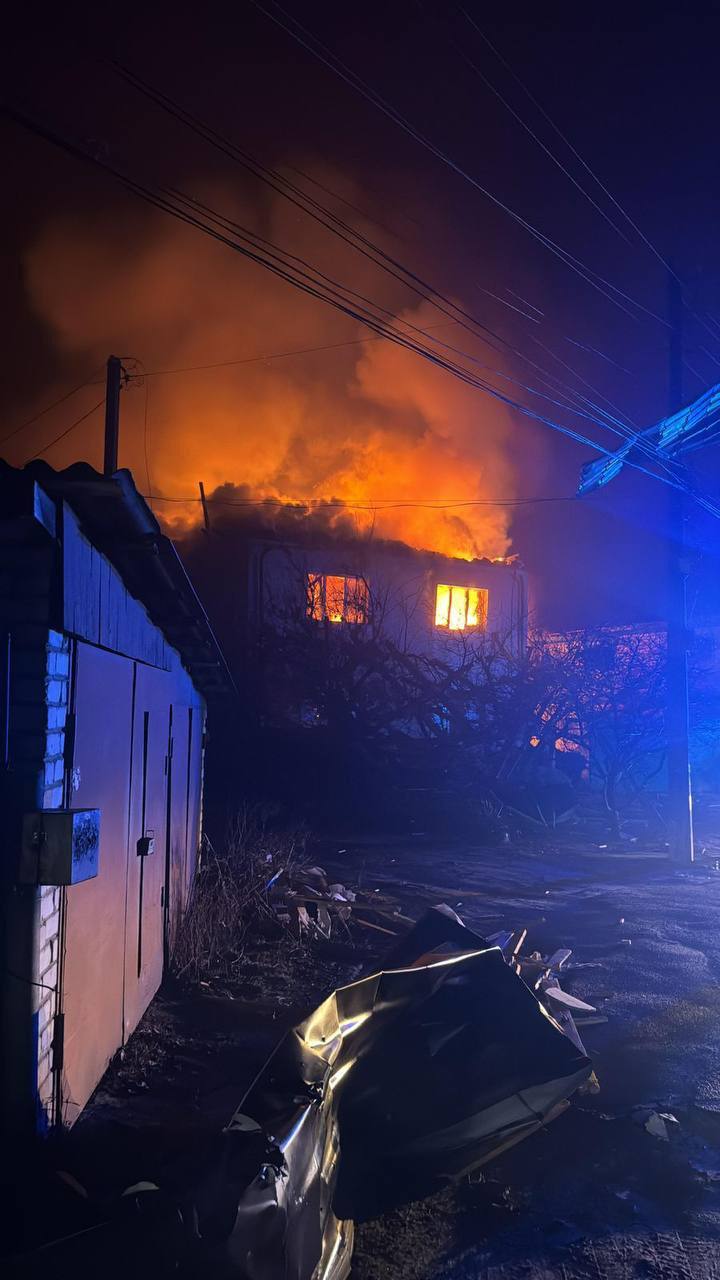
column 112, row 414
column 678, row 701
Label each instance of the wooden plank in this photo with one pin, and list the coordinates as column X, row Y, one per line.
column 516, row 949
column 367, row 924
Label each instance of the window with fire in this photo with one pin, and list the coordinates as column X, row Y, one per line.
column 337, row 598
column 461, row 608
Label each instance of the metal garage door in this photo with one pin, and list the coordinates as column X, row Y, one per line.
column 94, row 926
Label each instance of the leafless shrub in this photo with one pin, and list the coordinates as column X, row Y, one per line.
column 230, row 896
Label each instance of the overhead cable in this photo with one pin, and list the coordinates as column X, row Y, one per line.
column 314, row 287
column 304, row 37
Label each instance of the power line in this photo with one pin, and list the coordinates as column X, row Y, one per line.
column 356, row 240
column 67, row 430
column 531, row 132
column 316, row 287
column 605, row 420
column 510, row 305
column 318, row 505
column 362, row 213
column 630, row 221
column 602, row 355
column 300, row 199
column 324, row 55
column 281, row 355
column 531, row 305
column 61, row 400
column 267, row 245
column 328, row 220
column 546, row 116
column 273, row 355
column 371, row 504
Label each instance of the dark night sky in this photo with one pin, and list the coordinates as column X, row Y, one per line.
column 633, row 87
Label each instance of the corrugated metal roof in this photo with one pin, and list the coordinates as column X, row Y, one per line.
column 118, row 521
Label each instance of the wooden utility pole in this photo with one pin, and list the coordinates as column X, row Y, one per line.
column 112, row 414
column 206, row 513
column 678, row 701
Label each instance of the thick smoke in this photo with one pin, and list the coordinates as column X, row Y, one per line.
column 365, row 423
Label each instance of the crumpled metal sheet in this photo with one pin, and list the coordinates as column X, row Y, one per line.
column 395, row 1084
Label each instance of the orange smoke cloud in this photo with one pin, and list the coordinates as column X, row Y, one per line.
column 366, row 423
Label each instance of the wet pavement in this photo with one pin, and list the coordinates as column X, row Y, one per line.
column 596, row 1194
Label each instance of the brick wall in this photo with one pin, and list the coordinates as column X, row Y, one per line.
column 50, row 899
column 39, row 671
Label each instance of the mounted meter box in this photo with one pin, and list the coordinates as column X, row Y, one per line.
column 60, row 846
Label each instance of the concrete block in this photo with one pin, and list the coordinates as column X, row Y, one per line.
column 46, row 956
column 55, row 691
column 49, row 980
column 52, row 797
column 58, row 663
column 46, row 1013
column 49, row 901
column 56, row 717
column 56, row 640
column 45, row 1080
column 54, row 771
column 55, row 745
column 48, row 932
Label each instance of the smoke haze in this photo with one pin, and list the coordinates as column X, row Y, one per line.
column 364, row 423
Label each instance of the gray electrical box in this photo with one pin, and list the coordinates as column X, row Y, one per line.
column 60, row 846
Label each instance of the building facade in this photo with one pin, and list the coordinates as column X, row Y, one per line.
column 419, row 598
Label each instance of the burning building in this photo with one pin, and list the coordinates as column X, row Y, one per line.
column 420, row 599
column 323, row 581
column 354, row 656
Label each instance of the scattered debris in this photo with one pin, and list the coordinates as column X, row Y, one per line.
column 446, row 1007
column 656, row 1122
column 338, row 1123
column 303, row 896
column 553, row 992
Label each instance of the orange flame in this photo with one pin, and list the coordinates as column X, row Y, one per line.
column 366, row 424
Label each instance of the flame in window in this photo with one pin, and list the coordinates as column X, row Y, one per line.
column 337, row 598
column 334, row 598
column 461, row 608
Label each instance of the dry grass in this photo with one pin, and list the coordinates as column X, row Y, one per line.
column 230, row 897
